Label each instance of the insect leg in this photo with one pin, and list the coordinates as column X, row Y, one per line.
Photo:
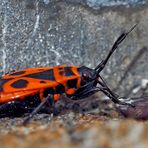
column 114, row 97
column 87, row 93
column 90, row 89
column 107, row 92
column 49, row 99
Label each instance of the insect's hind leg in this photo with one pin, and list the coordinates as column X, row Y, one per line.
column 48, row 100
column 12, row 109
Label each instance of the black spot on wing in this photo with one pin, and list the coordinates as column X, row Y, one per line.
column 68, row 71
column 44, row 75
column 42, row 81
column 2, row 82
column 17, row 73
column 19, row 83
column 61, row 72
column 60, row 89
column 72, row 83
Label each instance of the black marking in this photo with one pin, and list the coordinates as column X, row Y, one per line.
column 44, row 75
column 68, row 71
column 2, row 82
column 60, row 89
column 72, row 83
column 19, row 83
column 61, row 72
column 17, row 73
column 48, row 91
column 42, row 81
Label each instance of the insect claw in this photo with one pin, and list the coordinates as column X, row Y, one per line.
column 130, row 104
column 125, row 103
column 26, row 121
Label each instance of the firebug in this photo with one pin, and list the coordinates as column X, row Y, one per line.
column 29, row 89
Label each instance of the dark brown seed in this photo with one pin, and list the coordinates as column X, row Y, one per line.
column 140, row 111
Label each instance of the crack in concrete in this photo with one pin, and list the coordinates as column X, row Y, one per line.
column 58, row 55
column 36, row 25
column 4, row 32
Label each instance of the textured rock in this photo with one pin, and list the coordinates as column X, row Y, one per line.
column 108, row 3
column 50, row 32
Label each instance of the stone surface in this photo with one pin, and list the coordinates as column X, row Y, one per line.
column 52, row 32
column 80, row 32
column 107, row 3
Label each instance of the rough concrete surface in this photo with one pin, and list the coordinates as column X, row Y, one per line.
column 39, row 33
column 78, row 32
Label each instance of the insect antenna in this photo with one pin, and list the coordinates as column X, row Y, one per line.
column 119, row 40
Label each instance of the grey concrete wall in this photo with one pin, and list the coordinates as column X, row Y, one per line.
column 81, row 32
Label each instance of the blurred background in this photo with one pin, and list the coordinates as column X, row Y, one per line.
column 35, row 33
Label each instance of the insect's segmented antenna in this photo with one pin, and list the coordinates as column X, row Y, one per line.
column 101, row 66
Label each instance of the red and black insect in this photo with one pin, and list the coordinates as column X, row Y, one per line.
column 23, row 90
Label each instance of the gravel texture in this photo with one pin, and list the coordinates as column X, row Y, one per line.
column 82, row 131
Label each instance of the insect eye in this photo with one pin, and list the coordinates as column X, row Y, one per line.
column 85, row 75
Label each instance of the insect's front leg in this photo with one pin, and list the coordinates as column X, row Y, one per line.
column 85, row 91
column 85, row 94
